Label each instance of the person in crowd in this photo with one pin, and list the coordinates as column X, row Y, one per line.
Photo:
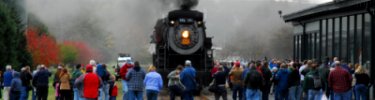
column 187, row 77
column 94, row 65
column 102, row 72
column 340, row 81
column 65, row 89
column 76, row 73
column 235, row 77
column 26, row 78
column 253, row 83
column 294, row 80
column 267, row 75
column 174, row 83
column 56, row 81
column 153, row 83
column 220, row 78
column 7, row 77
column 313, row 83
column 123, row 71
column 274, row 82
column 303, row 70
column 113, row 88
column 281, row 92
column 215, row 68
column 324, row 71
column 1, row 84
column 361, row 88
column 40, row 81
column 246, row 69
column 89, row 83
column 15, row 87
column 136, row 76
column 33, row 87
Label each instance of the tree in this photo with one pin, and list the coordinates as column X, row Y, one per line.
column 12, row 38
column 43, row 48
column 68, row 54
column 85, row 52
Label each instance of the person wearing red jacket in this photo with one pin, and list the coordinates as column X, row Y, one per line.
column 123, row 71
column 89, row 84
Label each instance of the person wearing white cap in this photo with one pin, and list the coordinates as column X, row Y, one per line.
column 8, row 76
column 187, row 77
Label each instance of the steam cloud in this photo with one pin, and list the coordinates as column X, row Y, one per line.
column 249, row 28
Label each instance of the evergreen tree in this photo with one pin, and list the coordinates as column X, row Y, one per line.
column 12, row 38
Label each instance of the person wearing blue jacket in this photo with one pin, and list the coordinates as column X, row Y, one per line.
column 187, row 77
column 282, row 86
column 8, row 76
column 153, row 83
column 102, row 72
column 15, row 87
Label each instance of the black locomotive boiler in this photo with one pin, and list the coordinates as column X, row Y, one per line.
column 179, row 37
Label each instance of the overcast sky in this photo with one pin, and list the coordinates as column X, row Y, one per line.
column 320, row 1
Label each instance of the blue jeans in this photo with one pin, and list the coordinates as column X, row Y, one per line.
column 33, row 94
column 343, row 96
column 315, row 94
column 152, row 94
column 237, row 89
column 295, row 93
column 104, row 92
column 112, row 98
column 24, row 93
column 187, row 95
column 361, row 91
column 77, row 94
column 281, row 95
column 135, row 95
column 125, row 90
column 253, row 94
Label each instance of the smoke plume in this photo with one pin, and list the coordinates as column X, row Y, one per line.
column 248, row 28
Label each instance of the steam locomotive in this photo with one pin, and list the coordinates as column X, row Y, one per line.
column 179, row 37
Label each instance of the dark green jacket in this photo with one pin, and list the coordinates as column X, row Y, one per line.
column 308, row 82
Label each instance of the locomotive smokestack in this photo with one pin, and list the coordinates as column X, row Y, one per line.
column 187, row 4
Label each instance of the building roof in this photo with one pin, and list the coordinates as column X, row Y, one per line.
column 323, row 9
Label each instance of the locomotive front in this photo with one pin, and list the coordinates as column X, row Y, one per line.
column 179, row 37
column 186, row 31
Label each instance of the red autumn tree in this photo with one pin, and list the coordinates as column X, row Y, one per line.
column 43, row 48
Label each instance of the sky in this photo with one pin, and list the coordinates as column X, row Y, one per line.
column 320, row 1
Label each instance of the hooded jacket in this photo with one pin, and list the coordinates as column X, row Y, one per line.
column 124, row 70
column 41, row 78
column 282, row 77
column 102, row 72
column 187, row 77
column 89, row 85
column 8, row 75
column 136, row 76
column 16, row 83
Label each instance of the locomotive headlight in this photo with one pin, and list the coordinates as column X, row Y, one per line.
column 185, row 40
column 172, row 22
column 185, row 34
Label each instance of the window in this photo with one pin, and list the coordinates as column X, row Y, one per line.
column 344, row 43
column 367, row 42
column 352, row 38
column 330, row 38
column 358, row 41
column 336, row 38
column 324, row 45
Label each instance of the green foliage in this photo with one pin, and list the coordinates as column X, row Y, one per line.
column 68, row 53
column 12, row 39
